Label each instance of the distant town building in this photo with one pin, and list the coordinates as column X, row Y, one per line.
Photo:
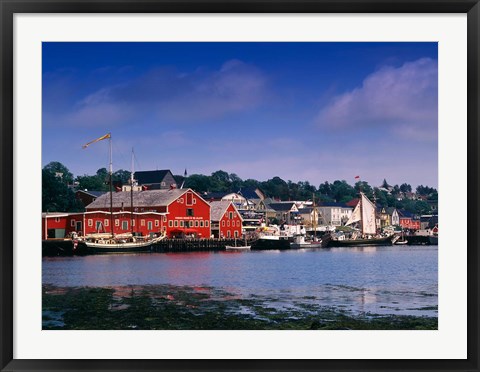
column 156, row 180
column 87, row 197
column 335, row 214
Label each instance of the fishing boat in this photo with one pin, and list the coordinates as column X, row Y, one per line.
column 300, row 242
column 111, row 243
column 364, row 214
column 272, row 237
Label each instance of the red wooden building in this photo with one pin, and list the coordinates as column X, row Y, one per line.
column 226, row 220
column 409, row 223
column 61, row 225
column 57, row 225
column 178, row 212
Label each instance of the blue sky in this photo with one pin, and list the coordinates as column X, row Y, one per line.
column 302, row 111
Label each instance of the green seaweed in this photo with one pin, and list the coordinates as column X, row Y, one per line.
column 167, row 307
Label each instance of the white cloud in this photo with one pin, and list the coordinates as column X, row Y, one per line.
column 403, row 100
column 171, row 95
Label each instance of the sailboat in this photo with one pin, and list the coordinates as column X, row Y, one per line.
column 364, row 213
column 111, row 243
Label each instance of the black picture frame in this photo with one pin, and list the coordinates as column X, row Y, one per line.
column 9, row 8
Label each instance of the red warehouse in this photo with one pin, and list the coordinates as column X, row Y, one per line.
column 226, row 221
column 59, row 225
column 409, row 223
column 178, row 212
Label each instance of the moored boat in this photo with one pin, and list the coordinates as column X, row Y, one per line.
column 364, row 214
column 100, row 244
column 360, row 242
column 300, row 242
column 236, row 247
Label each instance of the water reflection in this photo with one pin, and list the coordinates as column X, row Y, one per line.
column 381, row 280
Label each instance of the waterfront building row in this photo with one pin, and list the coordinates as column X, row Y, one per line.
column 173, row 212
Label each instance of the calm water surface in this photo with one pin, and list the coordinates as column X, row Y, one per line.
column 381, row 280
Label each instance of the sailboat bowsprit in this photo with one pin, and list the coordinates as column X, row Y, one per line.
column 364, row 213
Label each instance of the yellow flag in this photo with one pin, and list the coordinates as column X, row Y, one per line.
column 96, row 140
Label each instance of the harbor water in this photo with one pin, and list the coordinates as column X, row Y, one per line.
column 397, row 280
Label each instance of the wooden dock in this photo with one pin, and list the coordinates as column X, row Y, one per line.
column 193, row 245
column 65, row 247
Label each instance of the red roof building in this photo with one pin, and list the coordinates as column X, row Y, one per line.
column 178, row 212
column 226, row 220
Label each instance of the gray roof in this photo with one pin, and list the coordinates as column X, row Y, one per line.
column 218, row 208
column 93, row 193
column 281, row 206
column 149, row 177
column 147, row 198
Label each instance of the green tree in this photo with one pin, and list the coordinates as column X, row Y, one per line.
column 60, row 171
column 276, row 187
column 56, row 195
column 341, row 190
column 220, row 181
column 364, row 187
column 405, row 187
column 198, row 182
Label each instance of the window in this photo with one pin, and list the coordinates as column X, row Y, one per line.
column 90, row 222
column 206, row 223
column 72, row 223
column 201, row 223
column 238, row 223
column 164, row 218
column 170, row 223
column 157, row 223
column 142, row 222
column 57, row 219
column 191, row 223
column 182, row 223
column 196, row 223
column 230, row 215
column 223, row 223
column 175, row 223
column 150, row 225
column 106, row 222
column 98, row 225
column 228, row 223
column 228, row 234
column 194, row 201
column 124, row 225
column 133, row 223
column 236, row 234
column 117, row 222
column 189, row 212
column 189, row 198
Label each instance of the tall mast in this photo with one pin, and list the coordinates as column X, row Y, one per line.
column 110, row 173
column 131, row 196
column 361, row 213
column 314, row 220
